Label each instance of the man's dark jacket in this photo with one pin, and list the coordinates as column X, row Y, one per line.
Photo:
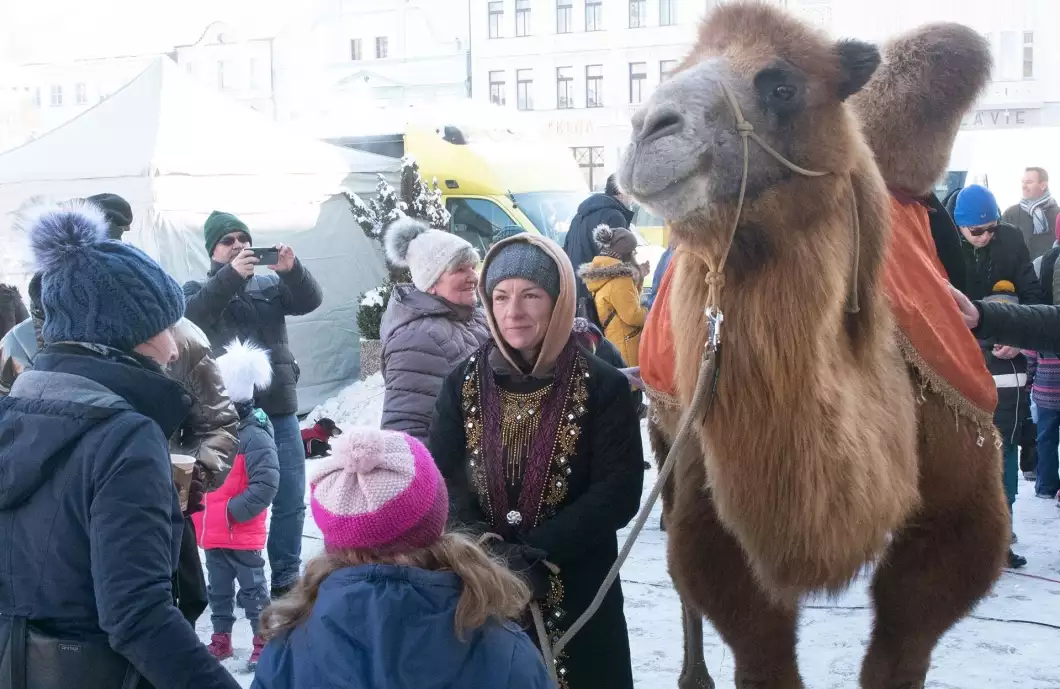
column 580, row 247
column 228, row 306
column 1004, row 258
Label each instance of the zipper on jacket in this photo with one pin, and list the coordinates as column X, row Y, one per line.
column 1015, row 424
column 228, row 521
column 205, row 513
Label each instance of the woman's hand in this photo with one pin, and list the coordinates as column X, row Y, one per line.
column 967, row 308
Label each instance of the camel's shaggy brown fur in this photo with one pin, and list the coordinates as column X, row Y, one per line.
column 931, row 78
column 810, row 445
column 817, row 456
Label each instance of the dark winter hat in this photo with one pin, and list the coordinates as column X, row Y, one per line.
column 218, row 225
column 526, row 261
column 976, row 206
column 615, row 242
column 611, row 186
column 94, row 289
column 117, row 211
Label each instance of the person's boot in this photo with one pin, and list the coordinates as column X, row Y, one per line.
column 221, row 646
column 1016, row 561
column 278, row 592
column 259, row 646
column 1030, row 476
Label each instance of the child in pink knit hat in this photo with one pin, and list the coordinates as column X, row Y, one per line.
column 394, row 600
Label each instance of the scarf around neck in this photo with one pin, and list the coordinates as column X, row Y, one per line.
column 1036, row 209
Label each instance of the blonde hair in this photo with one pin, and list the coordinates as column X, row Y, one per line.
column 489, row 590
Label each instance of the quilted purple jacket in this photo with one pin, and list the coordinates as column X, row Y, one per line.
column 424, row 338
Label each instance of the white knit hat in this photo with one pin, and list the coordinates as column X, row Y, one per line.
column 425, row 252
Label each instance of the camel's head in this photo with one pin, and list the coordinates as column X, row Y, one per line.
column 790, row 81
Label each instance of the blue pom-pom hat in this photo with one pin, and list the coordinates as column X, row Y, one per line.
column 94, row 289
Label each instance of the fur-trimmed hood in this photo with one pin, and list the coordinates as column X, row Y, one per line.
column 604, row 269
column 912, row 107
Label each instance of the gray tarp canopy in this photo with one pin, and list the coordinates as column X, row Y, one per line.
column 177, row 151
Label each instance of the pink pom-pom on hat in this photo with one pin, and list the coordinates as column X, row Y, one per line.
column 380, row 491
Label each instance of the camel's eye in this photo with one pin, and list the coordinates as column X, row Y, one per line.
column 784, row 92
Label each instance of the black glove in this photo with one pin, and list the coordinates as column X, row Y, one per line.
column 196, row 492
column 526, row 561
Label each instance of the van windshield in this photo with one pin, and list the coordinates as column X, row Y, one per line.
column 550, row 211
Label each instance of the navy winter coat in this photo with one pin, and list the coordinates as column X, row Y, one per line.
column 89, row 520
column 379, row 626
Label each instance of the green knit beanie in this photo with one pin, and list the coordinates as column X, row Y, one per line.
column 218, row 225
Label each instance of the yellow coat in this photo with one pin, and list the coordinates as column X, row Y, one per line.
column 615, row 287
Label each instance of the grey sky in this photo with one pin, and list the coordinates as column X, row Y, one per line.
column 57, row 30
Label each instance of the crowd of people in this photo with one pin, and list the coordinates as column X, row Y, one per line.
column 142, row 421
column 1009, row 260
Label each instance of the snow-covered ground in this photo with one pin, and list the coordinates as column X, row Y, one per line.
column 1010, row 642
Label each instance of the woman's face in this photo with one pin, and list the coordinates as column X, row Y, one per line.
column 162, row 348
column 457, row 286
column 522, row 311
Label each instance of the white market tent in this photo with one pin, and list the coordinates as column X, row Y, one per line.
column 177, row 151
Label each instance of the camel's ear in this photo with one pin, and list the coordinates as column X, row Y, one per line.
column 857, row 63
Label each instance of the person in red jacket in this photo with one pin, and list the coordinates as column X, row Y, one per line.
column 231, row 528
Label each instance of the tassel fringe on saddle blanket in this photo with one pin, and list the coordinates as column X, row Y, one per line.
column 931, row 334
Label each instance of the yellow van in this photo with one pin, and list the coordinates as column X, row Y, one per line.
column 651, row 227
column 492, row 180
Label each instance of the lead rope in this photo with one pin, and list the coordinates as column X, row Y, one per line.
column 706, row 382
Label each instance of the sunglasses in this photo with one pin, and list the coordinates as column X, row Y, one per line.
column 980, row 231
column 233, row 238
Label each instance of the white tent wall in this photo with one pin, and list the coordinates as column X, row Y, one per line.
column 176, row 152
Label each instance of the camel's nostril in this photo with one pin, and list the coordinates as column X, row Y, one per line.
column 661, row 123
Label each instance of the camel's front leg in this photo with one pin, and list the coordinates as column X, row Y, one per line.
column 694, row 674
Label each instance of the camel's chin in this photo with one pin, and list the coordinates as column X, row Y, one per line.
column 677, row 200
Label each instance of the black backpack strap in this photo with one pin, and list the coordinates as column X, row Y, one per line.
column 608, row 321
column 18, row 652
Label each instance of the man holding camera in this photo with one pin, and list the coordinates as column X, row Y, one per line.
column 233, row 303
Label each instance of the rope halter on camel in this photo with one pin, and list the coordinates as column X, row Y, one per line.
column 706, row 383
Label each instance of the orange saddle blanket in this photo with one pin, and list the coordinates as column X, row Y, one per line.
column 933, row 336
column 938, row 343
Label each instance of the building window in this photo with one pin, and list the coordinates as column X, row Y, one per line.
column 594, row 86
column 496, row 18
column 57, row 97
column 522, row 17
column 356, row 52
column 252, row 75
column 36, row 96
column 591, row 160
column 524, row 89
column 1028, row 54
column 594, row 15
column 666, row 68
column 637, row 11
column 80, row 94
column 564, row 16
column 497, row 88
column 564, row 88
column 667, row 12
column 382, row 47
column 222, row 77
column 638, row 79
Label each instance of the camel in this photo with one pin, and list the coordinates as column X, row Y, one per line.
column 836, row 425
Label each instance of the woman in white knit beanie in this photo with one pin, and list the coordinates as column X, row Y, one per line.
column 430, row 325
